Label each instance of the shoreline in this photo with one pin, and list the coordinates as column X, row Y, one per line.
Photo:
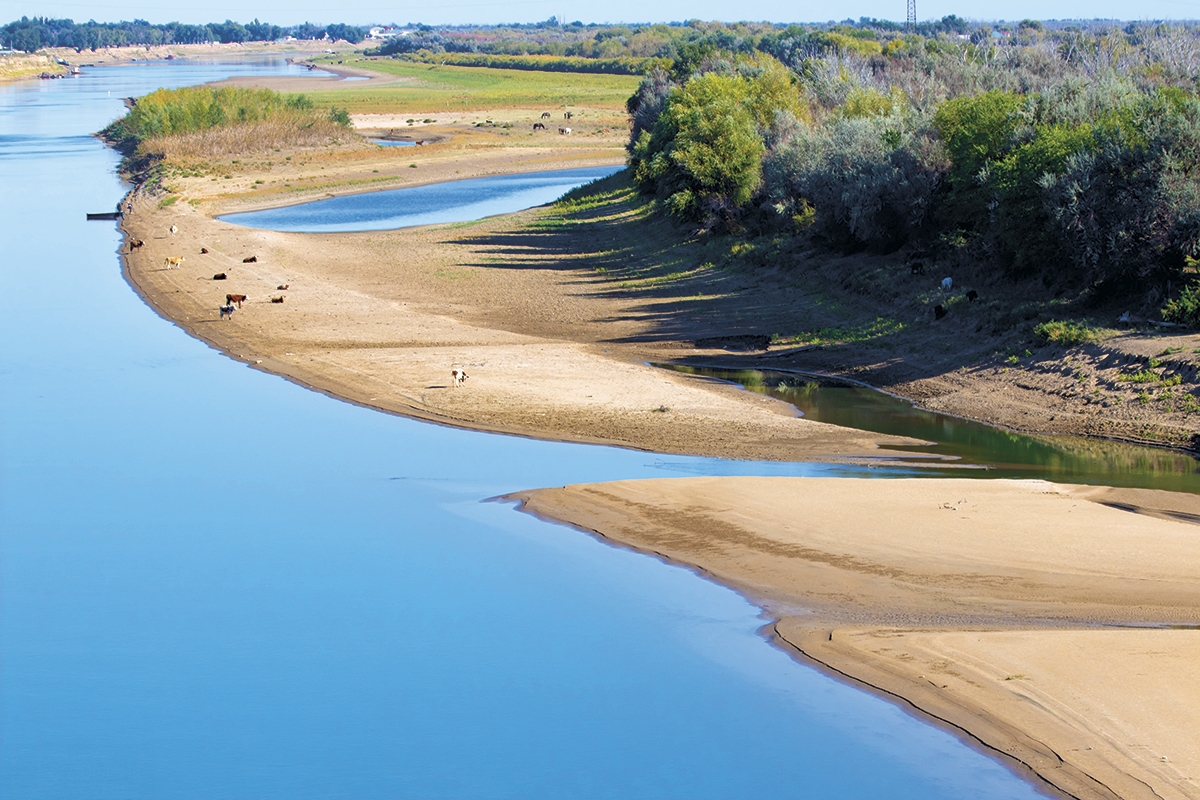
column 377, row 319
column 1019, row 718
column 406, row 330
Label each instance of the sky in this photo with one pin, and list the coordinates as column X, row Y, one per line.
column 290, row 12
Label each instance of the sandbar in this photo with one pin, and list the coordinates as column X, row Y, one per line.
column 1053, row 624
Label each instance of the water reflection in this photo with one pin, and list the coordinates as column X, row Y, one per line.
column 1004, row 453
column 217, row 584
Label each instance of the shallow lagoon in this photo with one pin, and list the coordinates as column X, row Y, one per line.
column 218, row 584
column 994, row 452
column 432, row 204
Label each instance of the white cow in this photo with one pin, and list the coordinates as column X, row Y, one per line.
column 459, row 376
column 947, row 284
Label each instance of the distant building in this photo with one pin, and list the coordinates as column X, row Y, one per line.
column 386, row 32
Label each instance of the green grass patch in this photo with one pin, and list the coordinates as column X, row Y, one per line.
column 877, row 328
column 543, row 63
column 1068, row 332
column 429, row 87
column 1141, row 376
column 169, row 200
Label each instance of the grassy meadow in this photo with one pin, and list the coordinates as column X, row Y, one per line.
column 436, row 87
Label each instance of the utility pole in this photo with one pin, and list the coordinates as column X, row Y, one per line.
column 912, row 13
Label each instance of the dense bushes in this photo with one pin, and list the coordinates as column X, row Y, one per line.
column 1070, row 157
column 167, row 113
column 703, row 154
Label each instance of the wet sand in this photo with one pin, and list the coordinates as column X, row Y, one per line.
column 1034, row 618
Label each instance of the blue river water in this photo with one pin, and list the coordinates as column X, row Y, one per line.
column 217, row 584
column 433, row 204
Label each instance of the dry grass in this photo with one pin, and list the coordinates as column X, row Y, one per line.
column 16, row 67
column 287, row 133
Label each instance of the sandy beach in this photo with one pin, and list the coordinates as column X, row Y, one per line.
column 1036, row 619
column 380, row 318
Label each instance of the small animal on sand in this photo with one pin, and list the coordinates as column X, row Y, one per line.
column 173, row 230
column 459, row 375
column 203, row 251
column 282, row 287
column 220, row 276
column 231, row 299
column 278, row 299
column 135, row 244
column 250, row 260
column 226, row 311
column 173, row 261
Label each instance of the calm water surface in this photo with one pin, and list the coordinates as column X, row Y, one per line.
column 216, row 584
column 1005, row 454
column 437, row 203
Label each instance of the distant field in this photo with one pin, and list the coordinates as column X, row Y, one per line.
column 433, row 87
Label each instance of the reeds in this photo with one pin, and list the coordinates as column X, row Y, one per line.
column 202, row 122
column 280, row 133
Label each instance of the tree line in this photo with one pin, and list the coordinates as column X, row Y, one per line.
column 33, row 33
column 1069, row 155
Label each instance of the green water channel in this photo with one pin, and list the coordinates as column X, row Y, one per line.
column 995, row 452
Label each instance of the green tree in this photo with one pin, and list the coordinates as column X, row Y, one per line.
column 704, row 156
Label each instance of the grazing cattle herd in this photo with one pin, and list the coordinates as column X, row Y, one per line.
column 538, row 126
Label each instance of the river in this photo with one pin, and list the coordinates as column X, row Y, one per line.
column 216, row 583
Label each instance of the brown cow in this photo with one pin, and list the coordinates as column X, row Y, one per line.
column 277, row 299
column 230, row 299
column 250, row 260
column 282, row 287
column 220, row 276
column 173, row 262
column 203, row 251
column 135, row 244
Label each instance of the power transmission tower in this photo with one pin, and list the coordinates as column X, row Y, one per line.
column 912, row 13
